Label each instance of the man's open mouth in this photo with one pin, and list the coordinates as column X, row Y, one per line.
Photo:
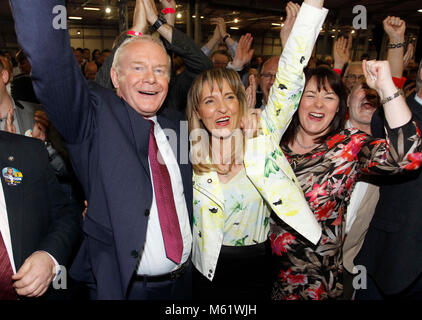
column 149, row 93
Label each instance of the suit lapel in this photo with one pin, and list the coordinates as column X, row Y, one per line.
column 14, row 197
column 24, row 117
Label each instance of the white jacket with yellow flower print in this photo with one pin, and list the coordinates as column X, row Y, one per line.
column 265, row 164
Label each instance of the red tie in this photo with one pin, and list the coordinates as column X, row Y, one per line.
column 167, row 214
column 6, row 289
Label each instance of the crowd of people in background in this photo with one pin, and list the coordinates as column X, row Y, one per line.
column 327, row 179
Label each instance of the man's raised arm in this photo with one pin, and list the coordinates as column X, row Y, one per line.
column 41, row 29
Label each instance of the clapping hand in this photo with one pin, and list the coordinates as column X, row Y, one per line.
column 251, row 92
column 244, row 52
column 341, row 52
column 41, row 124
column 9, row 126
column 170, row 17
column 151, row 11
column 139, row 17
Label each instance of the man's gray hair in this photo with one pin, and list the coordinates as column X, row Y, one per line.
column 352, row 64
column 145, row 37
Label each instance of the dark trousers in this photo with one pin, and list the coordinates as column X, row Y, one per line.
column 348, row 289
column 179, row 289
column 242, row 273
column 373, row 292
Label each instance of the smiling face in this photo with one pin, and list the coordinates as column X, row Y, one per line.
column 317, row 108
column 219, row 109
column 362, row 102
column 141, row 76
column 267, row 76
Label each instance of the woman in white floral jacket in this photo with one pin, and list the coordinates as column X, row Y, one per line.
column 235, row 191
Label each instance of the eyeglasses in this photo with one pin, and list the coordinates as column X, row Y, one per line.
column 355, row 77
column 268, row 76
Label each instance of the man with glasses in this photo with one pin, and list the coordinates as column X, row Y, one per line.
column 353, row 75
column 266, row 79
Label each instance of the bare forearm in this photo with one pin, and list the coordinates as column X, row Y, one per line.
column 395, row 58
column 397, row 112
column 166, row 31
column 212, row 43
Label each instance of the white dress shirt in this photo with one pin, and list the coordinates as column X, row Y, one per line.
column 418, row 99
column 5, row 232
column 154, row 260
column 4, row 228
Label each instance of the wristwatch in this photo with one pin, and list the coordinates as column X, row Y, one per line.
column 159, row 22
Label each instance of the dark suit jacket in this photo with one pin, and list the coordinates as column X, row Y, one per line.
column 40, row 216
column 392, row 251
column 58, row 154
column 22, row 89
column 108, row 143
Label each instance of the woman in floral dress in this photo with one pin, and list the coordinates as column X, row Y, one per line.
column 327, row 160
column 235, row 192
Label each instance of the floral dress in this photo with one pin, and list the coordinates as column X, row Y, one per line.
column 327, row 175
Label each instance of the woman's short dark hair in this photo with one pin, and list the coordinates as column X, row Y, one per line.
column 324, row 77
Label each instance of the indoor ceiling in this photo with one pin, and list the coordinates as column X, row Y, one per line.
column 255, row 16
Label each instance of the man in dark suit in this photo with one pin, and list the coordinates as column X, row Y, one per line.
column 113, row 141
column 39, row 227
column 392, row 251
column 29, row 119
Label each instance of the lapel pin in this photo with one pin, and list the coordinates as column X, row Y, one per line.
column 12, row 176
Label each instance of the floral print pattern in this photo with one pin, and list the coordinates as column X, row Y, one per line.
column 327, row 176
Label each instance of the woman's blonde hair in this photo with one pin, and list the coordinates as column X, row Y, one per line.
column 201, row 148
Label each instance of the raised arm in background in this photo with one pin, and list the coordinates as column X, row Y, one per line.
column 395, row 28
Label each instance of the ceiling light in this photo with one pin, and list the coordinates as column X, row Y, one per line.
column 91, row 9
column 108, row 10
column 179, row 15
column 75, row 18
column 276, row 24
column 353, row 31
column 236, row 20
column 78, row 32
column 202, row 17
column 420, row 10
column 194, row 16
column 234, row 28
column 282, row 24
